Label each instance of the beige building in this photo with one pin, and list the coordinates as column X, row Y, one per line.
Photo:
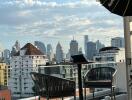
column 4, row 72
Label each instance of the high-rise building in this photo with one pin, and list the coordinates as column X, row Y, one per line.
column 73, row 47
column 117, row 42
column 99, row 45
column 85, row 44
column 6, row 56
column 1, row 50
column 91, row 50
column 50, row 54
column 22, row 63
column 40, row 46
column 4, row 71
column 68, row 55
column 15, row 48
column 59, row 53
column 80, row 51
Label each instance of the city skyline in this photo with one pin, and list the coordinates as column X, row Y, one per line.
column 53, row 21
column 66, row 50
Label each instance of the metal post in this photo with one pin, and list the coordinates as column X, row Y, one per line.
column 80, row 82
column 128, row 53
column 85, row 92
column 111, row 93
column 93, row 93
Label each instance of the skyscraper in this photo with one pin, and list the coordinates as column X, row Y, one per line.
column 40, row 46
column 68, row 55
column 85, row 44
column 50, row 53
column 59, row 53
column 80, row 51
column 91, row 50
column 117, row 42
column 15, row 48
column 99, row 45
column 73, row 47
column 6, row 56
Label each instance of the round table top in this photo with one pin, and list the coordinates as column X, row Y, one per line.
column 119, row 7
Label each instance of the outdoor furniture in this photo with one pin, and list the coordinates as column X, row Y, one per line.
column 53, row 87
column 119, row 7
column 79, row 60
column 100, row 77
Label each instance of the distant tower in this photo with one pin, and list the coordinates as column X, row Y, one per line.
column 117, row 42
column 91, row 50
column 15, row 48
column 99, row 45
column 73, row 47
column 59, row 53
column 40, row 46
column 6, row 56
column 17, row 45
column 80, row 51
column 68, row 55
column 50, row 53
column 85, row 44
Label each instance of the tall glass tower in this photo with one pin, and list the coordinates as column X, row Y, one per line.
column 85, row 44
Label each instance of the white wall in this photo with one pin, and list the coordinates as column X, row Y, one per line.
column 20, row 74
column 121, row 77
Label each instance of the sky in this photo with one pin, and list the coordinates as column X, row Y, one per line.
column 53, row 21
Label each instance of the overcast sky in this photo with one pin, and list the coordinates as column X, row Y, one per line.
column 51, row 21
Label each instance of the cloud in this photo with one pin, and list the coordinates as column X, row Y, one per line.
column 57, row 20
column 29, row 1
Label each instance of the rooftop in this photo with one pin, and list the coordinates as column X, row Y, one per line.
column 108, row 48
column 30, row 50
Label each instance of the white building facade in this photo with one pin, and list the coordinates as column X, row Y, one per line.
column 113, row 57
column 24, row 62
column 110, row 55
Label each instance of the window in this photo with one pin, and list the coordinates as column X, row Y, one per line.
column 98, row 59
column 25, row 88
column 2, row 98
column 110, row 58
column 15, row 87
